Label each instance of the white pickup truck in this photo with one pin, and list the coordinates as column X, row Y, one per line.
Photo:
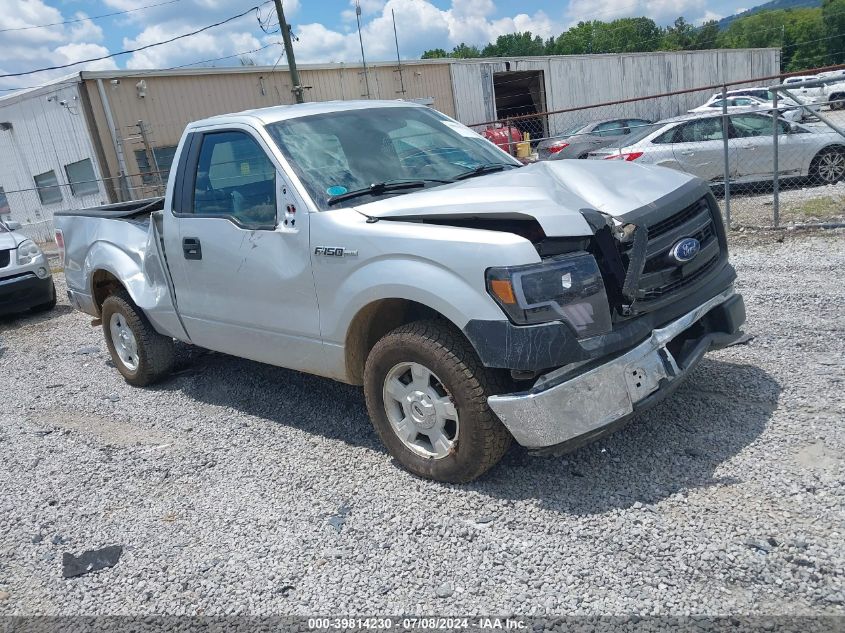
column 383, row 244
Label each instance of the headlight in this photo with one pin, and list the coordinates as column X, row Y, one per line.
column 569, row 287
column 27, row 252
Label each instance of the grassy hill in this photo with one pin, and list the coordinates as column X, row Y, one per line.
column 769, row 6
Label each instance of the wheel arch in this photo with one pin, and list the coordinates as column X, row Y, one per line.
column 376, row 319
column 105, row 283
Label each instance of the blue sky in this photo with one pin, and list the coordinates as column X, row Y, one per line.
column 325, row 28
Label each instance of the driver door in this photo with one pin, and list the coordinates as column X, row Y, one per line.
column 241, row 268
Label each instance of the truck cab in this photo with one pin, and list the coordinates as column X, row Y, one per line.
column 477, row 301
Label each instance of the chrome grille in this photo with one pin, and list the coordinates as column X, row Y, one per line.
column 662, row 276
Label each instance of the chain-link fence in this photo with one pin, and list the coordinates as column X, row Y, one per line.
column 773, row 154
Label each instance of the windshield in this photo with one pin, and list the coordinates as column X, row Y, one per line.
column 341, row 152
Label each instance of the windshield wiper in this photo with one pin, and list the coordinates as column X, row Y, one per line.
column 483, row 169
column 378, row 188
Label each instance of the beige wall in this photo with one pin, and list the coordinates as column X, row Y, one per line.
column 173, row 101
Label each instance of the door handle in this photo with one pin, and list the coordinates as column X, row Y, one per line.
column 687, row 153
column 192, row 248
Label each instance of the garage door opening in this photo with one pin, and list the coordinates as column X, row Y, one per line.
column 520, row 93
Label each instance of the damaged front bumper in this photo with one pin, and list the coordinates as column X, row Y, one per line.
column 571, row 406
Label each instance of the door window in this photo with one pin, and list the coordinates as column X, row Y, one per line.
column 235, row 179
column 748, row 125
column 709, row 129
column 611, row 128
column 637, row 124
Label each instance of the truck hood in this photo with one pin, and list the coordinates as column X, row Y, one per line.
column 551, row 192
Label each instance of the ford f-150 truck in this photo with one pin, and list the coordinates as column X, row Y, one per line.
column 383, row 244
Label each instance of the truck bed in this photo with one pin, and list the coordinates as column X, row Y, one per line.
column 119, row 210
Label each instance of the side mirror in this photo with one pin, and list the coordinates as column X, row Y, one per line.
column 793, row 128
column 13, row 226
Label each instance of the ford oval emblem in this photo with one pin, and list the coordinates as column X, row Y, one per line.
column 685, row 250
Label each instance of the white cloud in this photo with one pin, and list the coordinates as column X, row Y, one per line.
column 661, row 11
column 26, row 48
column 420, row 26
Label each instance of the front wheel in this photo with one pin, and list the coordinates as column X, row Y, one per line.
column 141, row 355
column 426, row 394
column 50, row 303
column 828, row 166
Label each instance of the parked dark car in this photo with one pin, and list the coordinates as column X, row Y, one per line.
column 581, row 139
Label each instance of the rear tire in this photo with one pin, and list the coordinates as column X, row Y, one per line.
column 828, row 167
column 425, row 376
column 141, row 355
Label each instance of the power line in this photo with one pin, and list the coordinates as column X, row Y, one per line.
column 134, row 50
column 92, row 17
column 147, row 73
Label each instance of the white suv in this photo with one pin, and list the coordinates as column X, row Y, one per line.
column 25, row 279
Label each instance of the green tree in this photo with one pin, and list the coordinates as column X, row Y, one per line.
column 706, row 36
column 575, row 41
column 434, row 53
column 626, row 35
column 833, row 17
column 515, row 45
column 806, row 46
column 462, row 51
column 678, row 37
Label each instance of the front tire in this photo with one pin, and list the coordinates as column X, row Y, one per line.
column 828, row 167
column 141, row 355
column 426, row 394
column 48, row 305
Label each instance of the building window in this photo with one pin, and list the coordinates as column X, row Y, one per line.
column 48, row 187
column 81, row 177
column 164, row 158
column 4, row 202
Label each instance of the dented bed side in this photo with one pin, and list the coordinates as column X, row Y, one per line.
column 99, row 248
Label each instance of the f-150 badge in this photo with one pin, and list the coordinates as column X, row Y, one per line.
column 335, row 251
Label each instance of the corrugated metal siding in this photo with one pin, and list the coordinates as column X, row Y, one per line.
column 45, row 136
column 583, row 80
column 173, row 101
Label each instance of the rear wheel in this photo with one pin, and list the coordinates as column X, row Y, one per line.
column 141, row 355
column 427, row 394
column 828, row 166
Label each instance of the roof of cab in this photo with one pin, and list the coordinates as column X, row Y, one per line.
column 282, row 112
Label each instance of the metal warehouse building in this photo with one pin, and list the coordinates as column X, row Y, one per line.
column 122, row 127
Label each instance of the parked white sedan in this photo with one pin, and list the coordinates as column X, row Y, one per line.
column 694, row 143
column 743, row 103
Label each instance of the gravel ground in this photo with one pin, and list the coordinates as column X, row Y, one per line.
column 800, row 203
column 241, row 488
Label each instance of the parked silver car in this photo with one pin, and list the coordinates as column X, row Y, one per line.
column 789, row 111
column 25, row 279
column 581, row 139
column 694, row 144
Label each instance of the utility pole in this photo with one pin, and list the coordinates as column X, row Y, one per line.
column 361, row 41
column 398, row 59
column 294, row 73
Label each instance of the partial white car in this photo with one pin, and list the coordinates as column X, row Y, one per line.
column 694, row 143
column 26, row 282
column 788, row 108
column 832, row 92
